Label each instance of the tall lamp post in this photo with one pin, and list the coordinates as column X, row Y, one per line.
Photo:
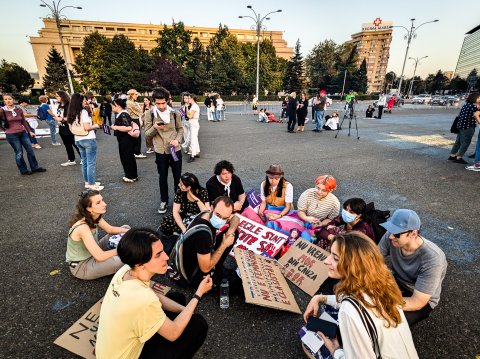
column 258, row 20
column 411, row 34
column 56, row 13
column 417, row 61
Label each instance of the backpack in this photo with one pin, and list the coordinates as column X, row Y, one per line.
column 176, row 268
column 77, row 128
column 41, row 114
column 374, row 218
column 135, row 131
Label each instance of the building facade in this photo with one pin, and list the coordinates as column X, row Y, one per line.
column 145, row 35
column 469, row 57
column 373, row 44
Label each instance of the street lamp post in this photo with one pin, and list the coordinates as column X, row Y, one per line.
column 56, row 13
column 411, row 34
column 417, row 61
column 258, row 20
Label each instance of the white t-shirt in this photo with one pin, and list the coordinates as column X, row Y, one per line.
column 288, row 192
column 84, row 118
column 332, row 122
column 194, row 108
column 219, row 104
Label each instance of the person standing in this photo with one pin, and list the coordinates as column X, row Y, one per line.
column 320, row 105
column 220, row 109
column 32, row 121
column 87, row 144
column 185, row 121
column 208, row 103
column 17, row 136
column 165, row 128
column 292, row 112
column 126, row 143
column 381, row 103
column 194, row 117
column 302, row 112
column 135, row 112
column 106, row 110
column 64, row 131
column 48, row 116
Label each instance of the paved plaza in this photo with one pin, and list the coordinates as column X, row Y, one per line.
column 399, row 161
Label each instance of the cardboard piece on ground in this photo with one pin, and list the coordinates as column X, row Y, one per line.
column 263, row 282
column 304, row 265
column 258, row 238
column 81, row 337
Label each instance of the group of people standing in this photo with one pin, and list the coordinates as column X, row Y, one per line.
column 215, row 108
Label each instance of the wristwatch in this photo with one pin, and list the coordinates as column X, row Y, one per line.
column 197, row 297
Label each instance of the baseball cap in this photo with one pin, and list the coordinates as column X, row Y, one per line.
column 402, row 220
column 323, row 92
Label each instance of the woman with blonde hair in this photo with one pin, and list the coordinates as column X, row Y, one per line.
column 371, row 320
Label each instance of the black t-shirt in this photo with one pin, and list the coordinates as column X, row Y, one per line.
column 292, row 106
column 216, row 189
column 123, row 119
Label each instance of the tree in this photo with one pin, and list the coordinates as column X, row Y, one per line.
column 14, row 78
column 457, row 84
column 167, row 74
column 293, row 80
column 55, row 78
column 360, row 82
column 472, row 79
column 195, row 68
column 173, row 43
column 390, row 79
column 438, row 83
column 321, row 64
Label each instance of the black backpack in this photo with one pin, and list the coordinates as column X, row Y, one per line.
column 374, row 218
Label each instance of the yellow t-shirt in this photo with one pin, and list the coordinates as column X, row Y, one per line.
column 131, row 314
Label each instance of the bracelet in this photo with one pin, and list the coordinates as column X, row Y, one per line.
column 197, row 297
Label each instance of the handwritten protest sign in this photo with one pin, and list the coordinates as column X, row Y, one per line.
column 304, row 265
column 258, row 238
column 263, row 282
column 81, row 337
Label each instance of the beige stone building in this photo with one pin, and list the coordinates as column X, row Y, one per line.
column 373, row 44
column 74, row 31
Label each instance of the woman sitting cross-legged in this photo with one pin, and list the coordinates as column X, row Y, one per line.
column 190, row 199
column 88, row 257
column 371, row 320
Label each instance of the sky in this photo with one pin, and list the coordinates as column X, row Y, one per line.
column 308, row 20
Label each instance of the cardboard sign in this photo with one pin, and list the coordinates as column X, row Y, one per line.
column 304, row 265
column 81, row 337
column 263, row 282
column 258, row 238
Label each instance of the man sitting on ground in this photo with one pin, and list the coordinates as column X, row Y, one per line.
column 418, row 264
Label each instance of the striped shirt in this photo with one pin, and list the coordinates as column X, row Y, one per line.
column 327, row 207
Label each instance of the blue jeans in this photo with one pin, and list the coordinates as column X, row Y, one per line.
column 53, row 128
column 477, row 148
column 88, row 153
column 17, row 140
column 33, row 140
column 319, row 119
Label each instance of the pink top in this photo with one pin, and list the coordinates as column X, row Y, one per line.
column 17, row 123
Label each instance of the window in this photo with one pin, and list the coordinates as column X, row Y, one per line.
column 87, row 28
column 120, row 29
column 142, row 31
column 204, row 34
column 98, row 27
column 65, row 26
column 76, row 28
column 110, row 29
column 132, row 30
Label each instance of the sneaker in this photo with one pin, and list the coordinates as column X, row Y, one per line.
column 474, row 167
column 81, row 162
column 37, row 146
column 461, row 161
column 87, row 185
column 141, row 155
column 68, row 163
column 315, row 130
column 95, row 187
column 191, row 159
column 451, row 158
column 39, row 169
column 26, row 173
column 150, row 150
column 163, row 208
column 56, row 144
column 128, row 180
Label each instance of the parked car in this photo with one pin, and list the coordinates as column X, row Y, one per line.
column 399, row 101
column 440, row 100
column 453, row 100
column 422, row 99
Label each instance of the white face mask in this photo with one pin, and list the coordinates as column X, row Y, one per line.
column 217, row 222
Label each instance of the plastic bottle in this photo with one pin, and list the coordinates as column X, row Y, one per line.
column 174, row 154
column 224, row 298
column 314, row 238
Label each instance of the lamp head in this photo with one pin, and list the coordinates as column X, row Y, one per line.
column 279, row 10
column 43, row 5
column 240, row 17
column 249, row 6
column 436, row 20
column 79, row 7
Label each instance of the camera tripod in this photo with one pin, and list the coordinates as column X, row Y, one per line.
column 352, row 115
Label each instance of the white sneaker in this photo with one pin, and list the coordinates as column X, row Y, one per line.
column 473, row 168
column 163, row 208
column 81, row 162
column 150, row 150
column 141, row 155
column 56, row 144
column 87, row 185
column 68, row 163
column 36, row 145
column 128, row 180
column 95, row 187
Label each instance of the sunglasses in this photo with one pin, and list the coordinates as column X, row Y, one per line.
column 397, row 236
column 86, row 192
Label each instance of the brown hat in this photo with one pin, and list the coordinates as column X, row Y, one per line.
column 274, row 170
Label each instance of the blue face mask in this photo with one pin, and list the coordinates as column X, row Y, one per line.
column 347, row 216
column 217, row 222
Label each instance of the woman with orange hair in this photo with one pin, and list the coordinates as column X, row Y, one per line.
column 371, row 320
column 318, row 206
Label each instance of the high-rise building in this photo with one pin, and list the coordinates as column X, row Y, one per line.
column 145, row 35
column 469, row 57
column 373, row 45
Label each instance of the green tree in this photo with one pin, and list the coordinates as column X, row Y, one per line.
column 438, row 83
column 195, row 68
column 55, row 73
column 293, row 80
column 390, row 80
column 321, row 65
column 173, row 43
column 360, row 82
column 472, row 79
column 14, row 78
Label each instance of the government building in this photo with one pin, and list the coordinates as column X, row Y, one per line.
column 373, row 44
column 145, row 35
column 469, row 57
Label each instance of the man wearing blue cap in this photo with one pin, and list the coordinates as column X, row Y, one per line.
column 417, row 264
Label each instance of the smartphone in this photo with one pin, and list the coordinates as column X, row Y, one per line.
column 319, row 325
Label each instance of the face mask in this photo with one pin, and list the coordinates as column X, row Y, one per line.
column 347, row 216
column 217, row 222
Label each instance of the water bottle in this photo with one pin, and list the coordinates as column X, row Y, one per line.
column 314, row 238
column 224, row 299
column 174, row 154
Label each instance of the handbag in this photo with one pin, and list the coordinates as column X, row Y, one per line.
column 454, row 128
column 135, row 131
column 3, row 120
column 77, row 128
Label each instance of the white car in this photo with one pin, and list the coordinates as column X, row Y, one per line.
column 423, row 99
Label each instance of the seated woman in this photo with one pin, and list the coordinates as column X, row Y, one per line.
column 88, row 257
column 226, row 183
column 351, row 219
column 318, row 206
column 262, row 117
column 190, row 199
column 369, row 112
column 332, row 122
column 135, row 321
column 366, row 293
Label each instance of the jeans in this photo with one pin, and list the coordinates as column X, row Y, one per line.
column 33, row 140
column 53, row 128
column 17, row 140
column 319, row 119
column 88, row 153
column 463, row 140
column 214, row 116
column 477, row 148
column 163, row 161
